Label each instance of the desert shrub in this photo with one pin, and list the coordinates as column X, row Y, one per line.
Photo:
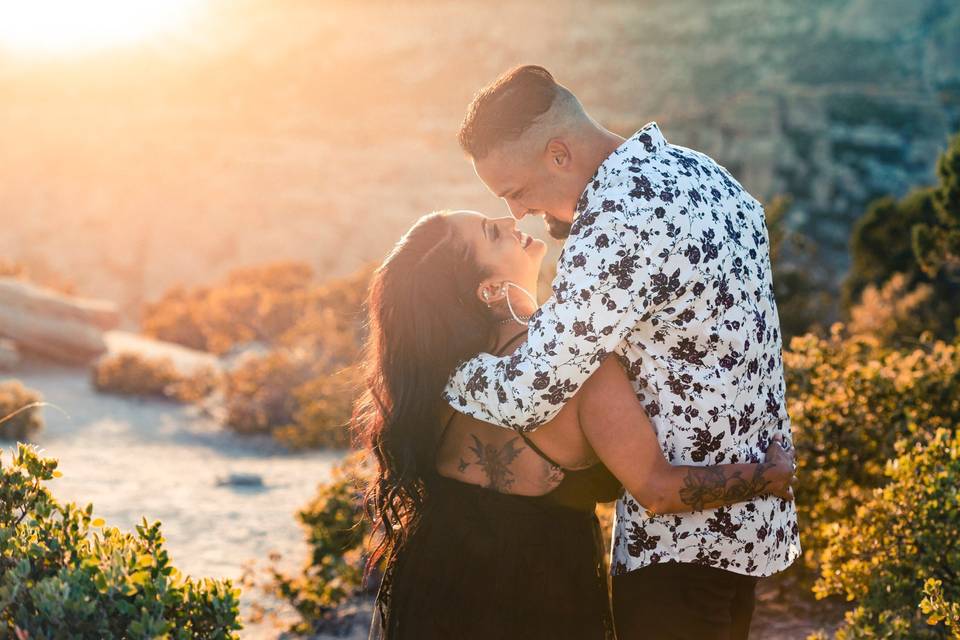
column 301, row 390
column 903, row 534
column 337, row 535
column 22, row 421
column 259, row 391
column 133, row 374
column 276, row 304
column 894, row 313
column 850, row 400
column 324, row 405
column 62, row 574
column 293, row 396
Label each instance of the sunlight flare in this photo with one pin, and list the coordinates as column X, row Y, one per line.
column 69, row 25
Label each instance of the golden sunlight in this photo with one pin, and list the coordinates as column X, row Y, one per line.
column 70, row 25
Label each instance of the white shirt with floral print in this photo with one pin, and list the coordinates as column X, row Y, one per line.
column 668, row 267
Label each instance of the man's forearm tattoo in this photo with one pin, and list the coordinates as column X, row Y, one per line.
column 712, row 486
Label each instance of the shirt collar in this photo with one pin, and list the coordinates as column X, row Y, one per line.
column 646, row 142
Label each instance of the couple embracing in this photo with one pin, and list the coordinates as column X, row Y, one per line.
column 651, row 377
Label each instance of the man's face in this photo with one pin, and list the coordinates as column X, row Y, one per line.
column 531, row 186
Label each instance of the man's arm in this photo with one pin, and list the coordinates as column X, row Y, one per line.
column 611, row 277
column 619, row 431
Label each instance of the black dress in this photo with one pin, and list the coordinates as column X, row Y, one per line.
column 484, row 565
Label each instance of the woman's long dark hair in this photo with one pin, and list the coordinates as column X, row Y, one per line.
column 424, row 319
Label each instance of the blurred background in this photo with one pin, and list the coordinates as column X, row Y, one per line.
column 192, row 193
column 249, row 130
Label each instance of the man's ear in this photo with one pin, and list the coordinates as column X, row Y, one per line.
column 558, row 154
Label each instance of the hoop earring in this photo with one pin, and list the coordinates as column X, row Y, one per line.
column 513, row 313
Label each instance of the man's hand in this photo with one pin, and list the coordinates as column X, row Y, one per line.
column 782, row 473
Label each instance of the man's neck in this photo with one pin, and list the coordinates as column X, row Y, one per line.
column 601, row 144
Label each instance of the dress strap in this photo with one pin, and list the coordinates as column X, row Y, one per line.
column 540, row 453
column 498, row 351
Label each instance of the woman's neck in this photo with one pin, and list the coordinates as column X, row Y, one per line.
column 523, row 307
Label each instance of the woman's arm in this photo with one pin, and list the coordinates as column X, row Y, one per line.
column 617, row 427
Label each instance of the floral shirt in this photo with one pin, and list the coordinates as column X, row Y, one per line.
column 668, row 267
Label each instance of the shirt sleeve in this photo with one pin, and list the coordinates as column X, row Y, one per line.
column 612, row 275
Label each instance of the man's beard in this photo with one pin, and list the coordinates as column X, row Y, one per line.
column 557, row 228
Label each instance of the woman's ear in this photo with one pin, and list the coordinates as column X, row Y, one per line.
column 490, row 292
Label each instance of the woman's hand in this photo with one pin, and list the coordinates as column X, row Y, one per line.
column 782, row 472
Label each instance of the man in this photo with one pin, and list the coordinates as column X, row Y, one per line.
column 667, row 266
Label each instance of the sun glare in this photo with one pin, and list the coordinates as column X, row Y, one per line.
column 70, row 25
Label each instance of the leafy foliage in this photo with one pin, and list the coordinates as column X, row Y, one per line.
column 851, row 399
column 903, row 533
column 61, row 569
column 22, row 421
column 937, row 609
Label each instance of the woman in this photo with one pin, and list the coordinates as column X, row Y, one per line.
column 488, row 533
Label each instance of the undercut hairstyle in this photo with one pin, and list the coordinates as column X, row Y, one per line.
column 504, row 110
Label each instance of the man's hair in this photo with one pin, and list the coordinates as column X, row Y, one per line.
column 505, row 109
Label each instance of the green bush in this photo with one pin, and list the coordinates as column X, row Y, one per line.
column 850, row 400
column 62, row 574
column 937, row 245
column 904, row 533
column 22, row 420
column 337, row 535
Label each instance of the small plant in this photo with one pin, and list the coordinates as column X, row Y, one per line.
column 23, row 420
column 337, row 535
column 64, row 574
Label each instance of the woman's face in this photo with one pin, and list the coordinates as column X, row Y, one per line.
column 504, row 251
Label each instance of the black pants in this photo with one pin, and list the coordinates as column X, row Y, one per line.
column 674, row 601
